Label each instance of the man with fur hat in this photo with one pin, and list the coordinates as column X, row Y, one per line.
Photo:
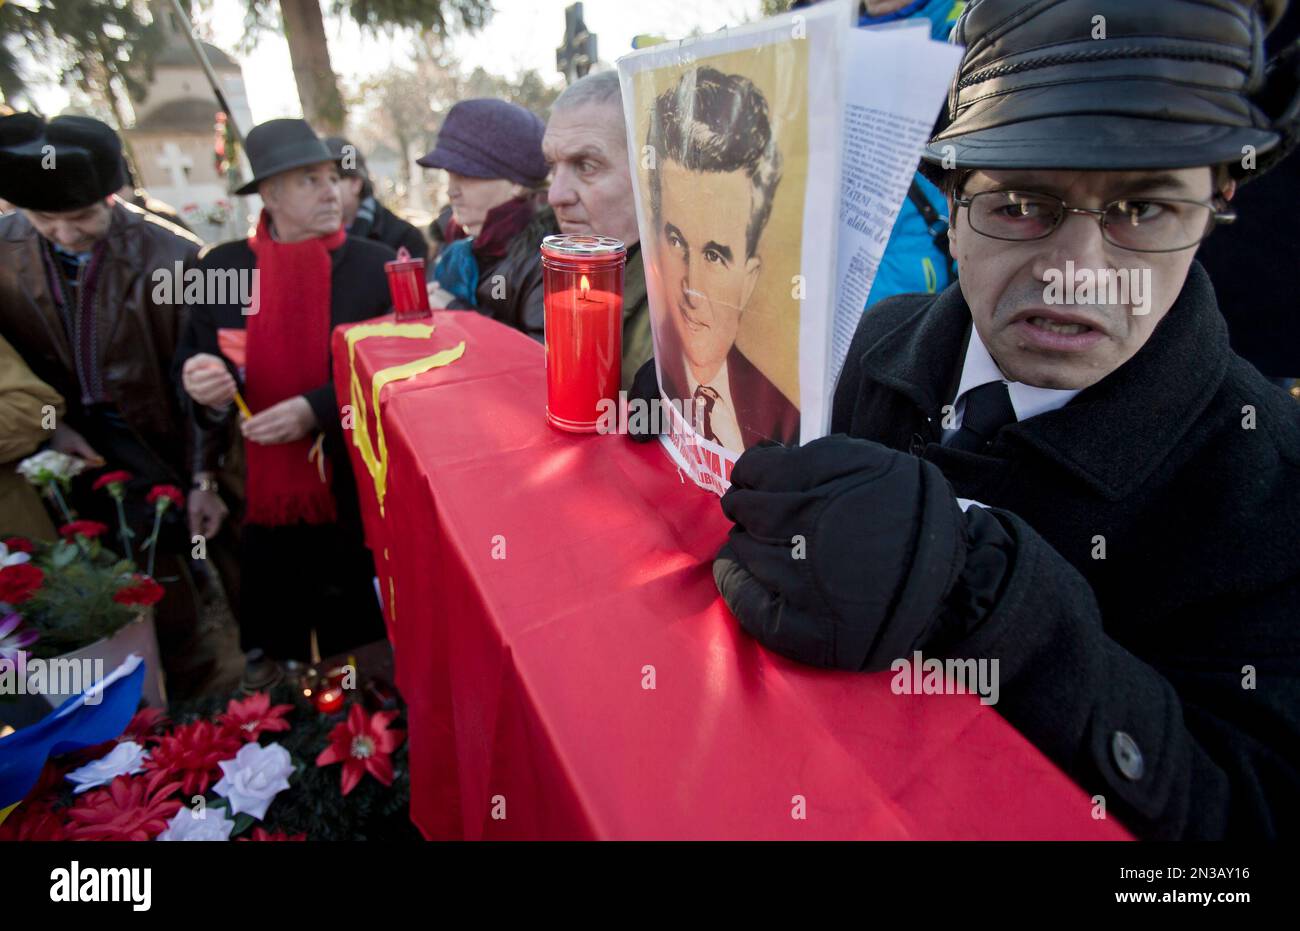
column 303, row 562
column 78, row 303
column 1057, row 464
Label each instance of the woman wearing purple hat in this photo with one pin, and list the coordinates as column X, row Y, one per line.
column 492, row 153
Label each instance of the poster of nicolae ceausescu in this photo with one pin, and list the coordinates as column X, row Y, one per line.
column 741, row 220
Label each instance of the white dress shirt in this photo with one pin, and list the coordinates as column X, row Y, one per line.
column 980, row 369
column 723, row 417
column 1026, row 400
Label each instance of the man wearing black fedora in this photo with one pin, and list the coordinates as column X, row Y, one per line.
column 302, row 557
column 1067, row 477
column 77, row 302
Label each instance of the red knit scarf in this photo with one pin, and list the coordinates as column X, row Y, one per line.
column 288, row 355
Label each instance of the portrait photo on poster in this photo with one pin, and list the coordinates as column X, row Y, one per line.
column 721, row 136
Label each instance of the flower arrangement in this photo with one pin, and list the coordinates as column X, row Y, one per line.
column 59, row 596
column 216, row 214
column 260, row 770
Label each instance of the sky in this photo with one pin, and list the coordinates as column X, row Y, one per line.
column 522, row 34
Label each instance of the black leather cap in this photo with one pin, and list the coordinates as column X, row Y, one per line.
column 1169, row 84
column 65, row 164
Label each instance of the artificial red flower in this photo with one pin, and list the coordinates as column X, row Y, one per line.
column 33, row 821
column 82, row 528
column 362, row 744
column 142, row 591
column 18, row 583
column 170, row 492
column 144, row 726
column 191, row 753
column 129, row 808
column 250, row 718
column 264, row 835
column 19, row 545
column 120, row 477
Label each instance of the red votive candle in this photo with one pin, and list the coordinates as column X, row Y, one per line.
column 406, row 285
column 582, row 281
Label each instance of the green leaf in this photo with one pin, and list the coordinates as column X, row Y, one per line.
column 243, row 821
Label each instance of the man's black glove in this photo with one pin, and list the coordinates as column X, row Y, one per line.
column 645, row 389
column 850, row 555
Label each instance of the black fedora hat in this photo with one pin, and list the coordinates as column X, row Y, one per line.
column 281, row 145
column 1112, row 85
column 65, row 164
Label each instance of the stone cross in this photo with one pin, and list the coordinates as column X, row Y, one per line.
column 176, row 164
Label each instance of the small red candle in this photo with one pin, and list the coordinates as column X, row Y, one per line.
column 583, row 293
column 329, row 700
column 406, row 285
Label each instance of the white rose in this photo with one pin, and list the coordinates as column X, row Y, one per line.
column 12, row 559
column 254, row 777
column 188, row 824
column 126, row 759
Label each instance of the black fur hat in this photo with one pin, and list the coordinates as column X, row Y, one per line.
column 65, row 164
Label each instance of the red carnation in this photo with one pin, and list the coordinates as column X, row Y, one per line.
column 19, row 545
column 170, row 492
column 262, row 834
column 120, row 477
column 142, row 591
column 82, row 528
column 129, row 808
column 362, row 744
column 254, row 716
column 191, row 753
column 18, row 583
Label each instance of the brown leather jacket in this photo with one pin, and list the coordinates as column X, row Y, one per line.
column 137, row 336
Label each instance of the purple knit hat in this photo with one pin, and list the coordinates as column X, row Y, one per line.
column 488, row 138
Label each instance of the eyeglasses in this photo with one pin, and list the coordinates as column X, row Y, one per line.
column 1149, row 224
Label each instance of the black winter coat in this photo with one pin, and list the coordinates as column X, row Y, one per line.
column 510, row 288
column 391, row 230
column 1166, row 675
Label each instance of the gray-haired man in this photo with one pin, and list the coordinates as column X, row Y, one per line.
column 591, row 191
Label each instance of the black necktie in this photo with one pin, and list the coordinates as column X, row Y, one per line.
column 988, row 410
column 704, row 398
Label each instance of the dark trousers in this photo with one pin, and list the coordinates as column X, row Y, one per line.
column 300, row 577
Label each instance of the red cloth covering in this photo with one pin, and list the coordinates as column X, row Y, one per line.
column 525, row 675
column 288, row 355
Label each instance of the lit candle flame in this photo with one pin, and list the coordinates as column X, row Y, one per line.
column 584, row 288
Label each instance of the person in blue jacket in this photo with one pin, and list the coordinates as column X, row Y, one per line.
column 916, row 257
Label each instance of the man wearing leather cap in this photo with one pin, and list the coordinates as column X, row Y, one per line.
column 303, row 562
column 77, row 302
column 1100, row 496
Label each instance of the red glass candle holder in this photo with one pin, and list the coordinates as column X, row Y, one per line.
column 406, row 285
column 582, row 282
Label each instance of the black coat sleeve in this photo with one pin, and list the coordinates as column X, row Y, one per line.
column 1217, row 750
column 210, row 429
